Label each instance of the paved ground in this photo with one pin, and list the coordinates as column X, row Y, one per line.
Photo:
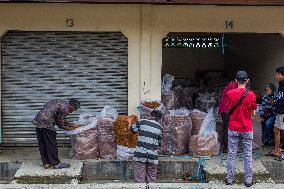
column 31, row 158
column 132, row 186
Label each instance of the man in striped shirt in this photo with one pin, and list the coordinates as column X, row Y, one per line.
column 146, row 152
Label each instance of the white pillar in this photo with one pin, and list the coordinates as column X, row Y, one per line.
column 145, row 64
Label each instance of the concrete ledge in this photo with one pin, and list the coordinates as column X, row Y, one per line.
column 138, row 186
column 217, row 172
column 122, row 171
column 33, row 173
column 276, row 170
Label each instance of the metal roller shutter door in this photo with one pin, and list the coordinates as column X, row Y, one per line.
column 40, row 66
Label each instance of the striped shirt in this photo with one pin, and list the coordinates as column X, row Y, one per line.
column 150, row 137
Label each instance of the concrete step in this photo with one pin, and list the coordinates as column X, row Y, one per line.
column 32, row 172
column 170, row 169
column 216, row 170
column 139, row 186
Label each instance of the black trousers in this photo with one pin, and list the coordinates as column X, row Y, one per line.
column 226, row 119
column 47, row 146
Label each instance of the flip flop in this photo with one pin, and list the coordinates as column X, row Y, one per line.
column 270, row 154
column 61, row 166
column 280, row 158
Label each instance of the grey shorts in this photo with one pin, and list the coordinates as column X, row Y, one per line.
column 279, row 122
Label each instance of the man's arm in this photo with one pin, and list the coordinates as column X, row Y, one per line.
column 135, row 127
column 262, row 107
column 63, row 124
column 280, row 100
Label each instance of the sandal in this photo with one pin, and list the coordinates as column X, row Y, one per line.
column 280, row 158
column 46, row 166
column 61, row 166
column 270, row 154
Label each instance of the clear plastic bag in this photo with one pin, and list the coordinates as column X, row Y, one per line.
column 208, row 125
column 86, row 121
column 124, row 153
column 170, row 100
column 167, row 84
column 84, row 140
column 176, row 132
column 109, row 112
column 197, row 118
column 179, row 112
column 85, row 145
column 106, row 131
column 206, row 142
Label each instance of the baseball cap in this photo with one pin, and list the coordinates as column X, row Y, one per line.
column 241, row 76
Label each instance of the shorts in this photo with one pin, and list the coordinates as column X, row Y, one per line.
column 279, row 122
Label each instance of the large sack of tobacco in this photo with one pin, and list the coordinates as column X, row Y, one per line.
column 85, row 145
column 84, row 140
column 147, row 107
column 106, row 131
column 123, row 135
column 197, row 118
column 206, row 142
column 169, row 98
column 176, row 132
column 187, row 97
column 205, row 101
column 257, row 132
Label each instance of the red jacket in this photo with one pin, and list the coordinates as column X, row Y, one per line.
column 241, row 118
column 224, row 102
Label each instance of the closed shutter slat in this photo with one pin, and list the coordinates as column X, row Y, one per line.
column 40, row 66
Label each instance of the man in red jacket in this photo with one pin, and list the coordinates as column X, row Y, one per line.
column 242, row 104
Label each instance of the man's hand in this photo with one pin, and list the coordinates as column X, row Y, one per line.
column 73, row 126
column 129, row 120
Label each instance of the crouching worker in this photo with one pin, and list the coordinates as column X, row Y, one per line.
column 146, row 152
column 267, row 113
column 53, row 113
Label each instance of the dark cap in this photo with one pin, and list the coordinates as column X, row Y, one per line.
column 241, row 76
column 271, row 86
column 74, row 102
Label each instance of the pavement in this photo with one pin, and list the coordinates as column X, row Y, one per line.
column 31, row 171
column 142, row 186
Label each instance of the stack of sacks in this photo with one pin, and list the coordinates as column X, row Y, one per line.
column 206, row 142
column 106, row 131
column 197, row 118
column 169, row 98
column 84, row 140
column 178, row 90
column 125, row 139
column 257, row 131
column 205, row 101
column 176, row 132
column 187, row 98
